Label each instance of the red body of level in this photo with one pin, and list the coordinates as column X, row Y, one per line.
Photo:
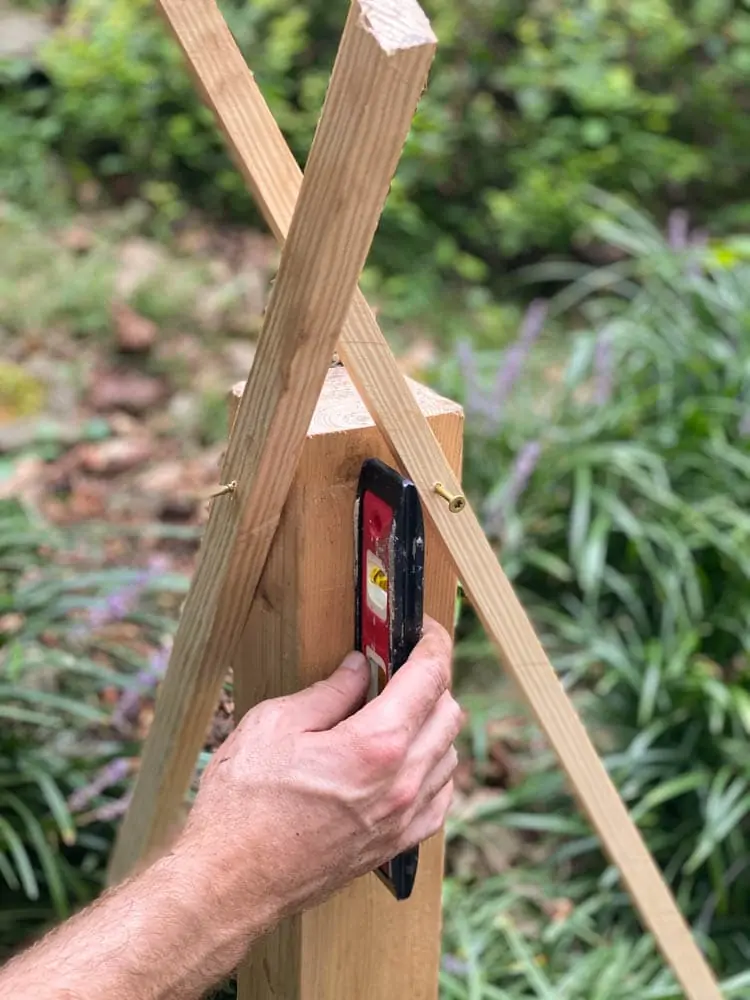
column 377, row 549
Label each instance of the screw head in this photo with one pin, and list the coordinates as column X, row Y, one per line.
column 456, row 501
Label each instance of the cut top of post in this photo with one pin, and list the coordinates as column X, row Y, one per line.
column 396, row 24
column 340, row 406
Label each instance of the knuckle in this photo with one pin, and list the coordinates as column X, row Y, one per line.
column 384, row 752
column 333, row 685
column 403, row 795
column 271, row 713
column 387, row 738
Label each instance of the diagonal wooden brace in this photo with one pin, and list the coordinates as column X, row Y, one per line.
column 273, row 176
column 381, row 69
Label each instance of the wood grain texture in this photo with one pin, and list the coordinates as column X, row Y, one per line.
column 274, row 178
column 300, row 627
column 372, row 96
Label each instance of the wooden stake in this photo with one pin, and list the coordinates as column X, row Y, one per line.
column 300, row 628
column 381, row 69
column 274, row 178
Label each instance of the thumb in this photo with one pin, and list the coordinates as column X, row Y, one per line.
column 326, row 703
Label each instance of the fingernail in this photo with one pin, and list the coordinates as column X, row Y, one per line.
column 354, row 661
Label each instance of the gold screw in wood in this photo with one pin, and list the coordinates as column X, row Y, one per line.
column 456, row 501
column 223, row 490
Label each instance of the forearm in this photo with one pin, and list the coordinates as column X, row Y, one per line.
column 168, row 933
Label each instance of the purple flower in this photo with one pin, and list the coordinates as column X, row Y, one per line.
column 477, row 402
column 109, row 810
column 515, row 357
column 491, row 407
column 520, row 474
column 454, row 964
column 118, row 605
column 523, row 468
column 603, row 368
column 678, row 229
column 127, row 708
column 468, row 365
column 111, row 774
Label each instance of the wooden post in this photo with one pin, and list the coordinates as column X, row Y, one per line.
column 301, row 626
column 380, row 72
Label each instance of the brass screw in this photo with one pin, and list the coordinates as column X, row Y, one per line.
column 456, row 501
column 223, row 490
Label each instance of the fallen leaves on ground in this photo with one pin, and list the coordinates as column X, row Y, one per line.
column 138, row 260
column 110, row 458
column 24, row 479
column 134, row 333
column 78, row 237
column 131, row 391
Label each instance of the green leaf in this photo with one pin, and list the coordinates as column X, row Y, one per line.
column 667, row 791
column 580, row 514
column 23, row 865
column 57, row 804
column 45, row 854
column 8, row 873
column 66, row 705
column 17, row 714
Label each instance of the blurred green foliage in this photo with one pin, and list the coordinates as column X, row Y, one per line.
column 612, row 469
column 528, row 105
column 618, row 487
column 57, row 729
column 613, row 472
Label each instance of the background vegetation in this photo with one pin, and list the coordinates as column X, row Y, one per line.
column 564, row 251
column 645, row 99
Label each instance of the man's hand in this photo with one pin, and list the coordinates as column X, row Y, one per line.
column 309, row 793
column 305, row 795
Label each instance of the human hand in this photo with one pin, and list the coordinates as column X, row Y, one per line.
column 313, row 790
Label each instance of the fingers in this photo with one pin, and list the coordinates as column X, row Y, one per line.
column 321, row 706
column 437, row 779
column 437, row 735
column 410, row 696
column 428, row 822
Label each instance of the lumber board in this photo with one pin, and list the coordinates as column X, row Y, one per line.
column 381, row 68
column 274, row 178
column 300, row 628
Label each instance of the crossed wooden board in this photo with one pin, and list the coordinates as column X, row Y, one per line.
column 325, row 222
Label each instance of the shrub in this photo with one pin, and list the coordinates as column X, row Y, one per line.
column 618, row 487
column 528, row 105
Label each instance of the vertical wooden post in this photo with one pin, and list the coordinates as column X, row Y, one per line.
column 379, row 74
column 301, row 626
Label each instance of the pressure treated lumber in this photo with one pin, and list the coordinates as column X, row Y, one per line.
column 381, row 68
column 301, row 626
column 271, row 173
